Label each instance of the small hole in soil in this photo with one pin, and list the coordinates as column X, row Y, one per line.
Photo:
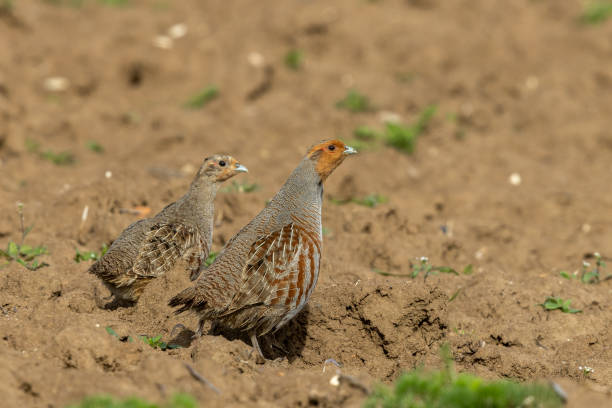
column 135, row 75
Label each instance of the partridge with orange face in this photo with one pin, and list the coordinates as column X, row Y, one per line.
column 266, row 273
column 149, row 248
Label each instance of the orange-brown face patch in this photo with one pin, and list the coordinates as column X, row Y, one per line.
column 328, row 155
column 229, row 170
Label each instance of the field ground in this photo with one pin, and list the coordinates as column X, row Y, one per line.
column 520, row 87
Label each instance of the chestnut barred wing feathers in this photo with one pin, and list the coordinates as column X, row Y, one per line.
column 281, row 272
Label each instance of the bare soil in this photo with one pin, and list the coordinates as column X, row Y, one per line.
column 521, row 87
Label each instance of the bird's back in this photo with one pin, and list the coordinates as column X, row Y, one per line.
column 119, row 258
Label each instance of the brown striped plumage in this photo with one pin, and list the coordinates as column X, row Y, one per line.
column 149, row 248
column 268, row 270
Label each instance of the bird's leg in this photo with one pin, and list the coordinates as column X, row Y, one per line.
column 260, row 357
column 278, row 345
column 198, row 332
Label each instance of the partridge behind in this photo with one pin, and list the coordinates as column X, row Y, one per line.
column 149, row 248
column 266, row 273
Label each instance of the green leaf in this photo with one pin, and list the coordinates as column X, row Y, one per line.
column 446, row 269
column 112, row 332
column 454, row 296
column 203, row 97
column 553, row 303
column 468, row 270
column 590, row 277
column 293, row 59
column 61, row 158
column 596, row 12
column 240, row 187
column 397, row 275
column 404, row 137
column 565, row 274
column 354, row 102
column 95, row 146
column 13, row 250
column 365, row 133
column 371, row 200
column 211, row 258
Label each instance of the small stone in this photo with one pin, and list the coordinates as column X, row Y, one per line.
column 163, row 41
column 532, row 83
column 515, row 179
column 188, row 168
column 335, row 380
column 255, row 59
column 177, row 31
column 56, row 84
column 387, row 116
column 480, row 253
column 108, row 174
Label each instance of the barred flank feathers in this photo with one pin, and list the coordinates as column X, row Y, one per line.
column 185, row 299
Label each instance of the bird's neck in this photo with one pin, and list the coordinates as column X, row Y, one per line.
column 202, row 194
column 302, row 195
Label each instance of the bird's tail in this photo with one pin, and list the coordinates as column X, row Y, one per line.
column 186, row 299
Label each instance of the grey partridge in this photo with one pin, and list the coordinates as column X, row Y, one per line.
column 150, row 247
column 265, row 274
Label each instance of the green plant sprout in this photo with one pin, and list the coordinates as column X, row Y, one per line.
column 589, row 273
column 211, row 258
column 554, row 303
column 242, row 187
column 365, row 133
column 157, row 343
column 354, row 102
column 447, row 388
column 365, row 138
column 90, row 255
column 293, row 59
column 399, row 136
column 61, row 158
column 594, row 275
column 371, row 200
column 596, row 12
column 114, row 3
column 203, row 97
column 24, row 255
column 95, row 146
column 404, row 137
column 101, row 401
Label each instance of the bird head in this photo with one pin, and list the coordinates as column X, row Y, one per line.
column 328, row 155
column 221, row 167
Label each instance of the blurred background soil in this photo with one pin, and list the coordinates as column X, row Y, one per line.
column 511, row 176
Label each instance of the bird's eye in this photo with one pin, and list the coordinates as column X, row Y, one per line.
column 331, row 148
column 222, row 163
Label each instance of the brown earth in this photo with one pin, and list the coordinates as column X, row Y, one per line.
column 521, row 87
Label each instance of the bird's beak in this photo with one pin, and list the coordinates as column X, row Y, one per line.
column 241, row 169
column 349, row 150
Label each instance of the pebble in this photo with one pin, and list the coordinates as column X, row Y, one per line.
column 177, row 31
column 163, row 41
column 56, row 84
column 515, row 179
column 255, row 59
